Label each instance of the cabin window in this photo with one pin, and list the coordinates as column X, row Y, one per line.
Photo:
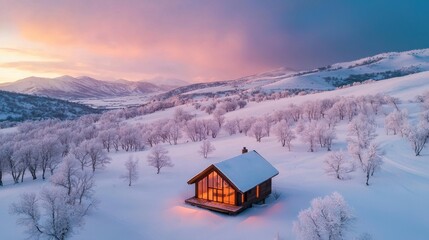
column 214, row 188
column 257, row 191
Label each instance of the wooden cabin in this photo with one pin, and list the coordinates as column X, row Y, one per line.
column 233, row 185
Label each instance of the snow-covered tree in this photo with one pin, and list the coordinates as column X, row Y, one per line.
column 50, row 216
column 107, row 137
column 328, row 218
column 173, row 132
column 206, row 148
column 231, row 126
column 49, row 152
column 361, row 131
column 336, row 164
column 308, row 134
column 418, row 136
column 218, row 116
column 284, row 133
column 258, row 130
column 395, row 122
column 195, row 130
column 246, row 124
column 370, row 161
column 131, row 175
column 6, row 153
column 97, row 157
column 180, row 115
column 77, row 183
column 158, row 158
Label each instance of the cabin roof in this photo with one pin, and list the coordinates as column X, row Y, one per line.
column 245, row 171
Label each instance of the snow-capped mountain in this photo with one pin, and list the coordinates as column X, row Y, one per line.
column 167, row 83
column 378, row 67
column 67, row 87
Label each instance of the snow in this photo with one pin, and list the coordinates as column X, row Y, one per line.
column 394, row 206
column 247, row 170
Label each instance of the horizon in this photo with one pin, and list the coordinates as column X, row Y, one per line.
column 198, row 42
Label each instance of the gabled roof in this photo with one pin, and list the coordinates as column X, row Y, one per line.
column 244, row 171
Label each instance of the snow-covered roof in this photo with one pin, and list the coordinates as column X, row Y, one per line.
column 247, row 170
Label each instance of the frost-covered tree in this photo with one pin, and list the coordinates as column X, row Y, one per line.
column 195, row 130
column 158, row 158
column 231, row 126
column 418, row 136
column 268, row 122
column 258, row 130
column 395, row 122
column 49, row 152
column 180, row 115
column 6, row 153
column 336, row 164
column 308, row 134
column 23, row 155
column 246, row 124
column 131, row 175
column 173, row 132
column 284, row 133
column 81, row 154
column 328, row 218
column 213, row 128
column 77, row 183
column 206, row 148
column 218, row 116
column 107, row 137
column 50, row 216
column 361, row 131
column 97, row 157
column 370, row 161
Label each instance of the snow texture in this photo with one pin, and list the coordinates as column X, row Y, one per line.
column 247, row 170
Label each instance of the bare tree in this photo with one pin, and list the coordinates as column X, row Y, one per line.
column 231, row 126
column 258, row 130
column 336, row 164
column 418, row 136
column 158, row 158
column 6, row 152
column 131, row 174
column 98, row 157
column 395, row 121
column 371, row 161
column 284, row 133
column 206, row 148
column 308, row 134
column 328, row 218
column 50, row 216
column 77, row 183
column 49, row 151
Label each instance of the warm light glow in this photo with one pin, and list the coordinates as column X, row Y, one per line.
column 257, row 191
column 214, row 188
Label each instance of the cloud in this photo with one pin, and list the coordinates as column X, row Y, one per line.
column 207, row 40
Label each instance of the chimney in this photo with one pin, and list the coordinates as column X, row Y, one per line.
column 244, row 150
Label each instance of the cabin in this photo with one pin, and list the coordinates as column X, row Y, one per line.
column 233, row 185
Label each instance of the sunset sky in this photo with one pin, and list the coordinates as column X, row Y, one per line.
column 198, row 40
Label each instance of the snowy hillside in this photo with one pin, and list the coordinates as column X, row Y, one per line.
column 392, row 207
column 378, row 67
column 67, row 87
column 15, row 107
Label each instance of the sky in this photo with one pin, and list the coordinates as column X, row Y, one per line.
column 199, row 40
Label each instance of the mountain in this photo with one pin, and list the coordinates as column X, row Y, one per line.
column 167, row 83
column 378, row 67
column 16, row 107
column 67, row 87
